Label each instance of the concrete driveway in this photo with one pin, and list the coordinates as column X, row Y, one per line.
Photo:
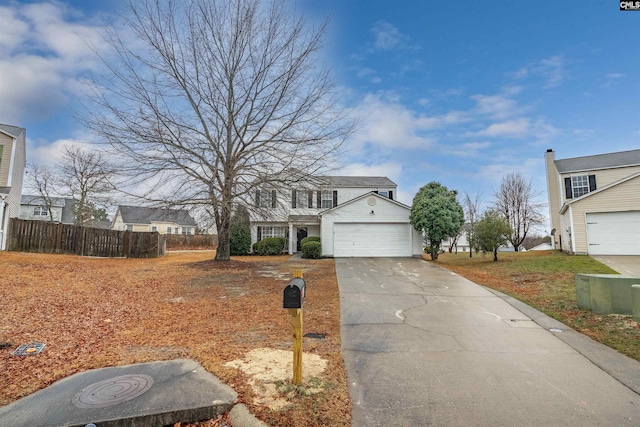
column 628, row 265
column 424, row 346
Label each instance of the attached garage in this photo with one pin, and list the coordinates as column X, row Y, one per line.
column 371, row 240
column 613, row 233
column 369, row 226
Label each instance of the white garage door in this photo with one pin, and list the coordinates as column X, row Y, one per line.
column 371, row 240
column 614, row 233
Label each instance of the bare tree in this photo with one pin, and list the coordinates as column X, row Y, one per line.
column 472, row 214
column 43, row 181
column 218, row 99
column 85, row 176
column 515, row 200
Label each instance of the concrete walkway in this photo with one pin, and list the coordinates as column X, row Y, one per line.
column 424, row 346
column 628, row 265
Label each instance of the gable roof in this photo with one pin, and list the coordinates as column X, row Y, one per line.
column 568, row 202
column 600, row 161
column 58, row 202
column 373, row 193
column 13, row 131
column 359, row 181
column 144, row 215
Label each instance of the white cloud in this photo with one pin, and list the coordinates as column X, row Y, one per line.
column 553, row 70
column 385, row 122
column 495, row 106
column 516, row 128
column 391, row 170
column 469, row 149
column 12, row 31
column 49, row 153
column 42, row 58
column 386, row 36
column 612, row 79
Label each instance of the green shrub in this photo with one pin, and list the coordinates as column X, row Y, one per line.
column 270, row 246
column 309, row 239
column 239, row 239
column 312, row 249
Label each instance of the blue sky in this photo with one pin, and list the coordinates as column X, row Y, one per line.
column 461, row 92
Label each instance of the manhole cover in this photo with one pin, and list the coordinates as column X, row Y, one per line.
column 113, row 391
column 29, row 349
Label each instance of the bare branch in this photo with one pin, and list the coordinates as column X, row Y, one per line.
column 216, row 100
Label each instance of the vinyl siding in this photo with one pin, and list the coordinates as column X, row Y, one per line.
column 603, row 177
column 19, row 164
column 622, row 197
column 360, row 212
column 26, row 212
column 6, row 142
column 553, row 191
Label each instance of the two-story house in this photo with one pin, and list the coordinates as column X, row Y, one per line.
column 12, row 164
column 164, row 221
column 594, row 203
column 54, row 209
column 353, row 216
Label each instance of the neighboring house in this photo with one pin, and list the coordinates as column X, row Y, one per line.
column 12, row 164
column 594, row 203
column 354, row 217
column 461, row 244
column 542, row 247
column 36, row 208
column 164, row 221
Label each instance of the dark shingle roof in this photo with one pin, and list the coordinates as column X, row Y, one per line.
column 359, row 181
column 600, row 161
column 143, row 215
column 39, row 201
column 14, row 131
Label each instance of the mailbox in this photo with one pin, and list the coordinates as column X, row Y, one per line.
column 293, row 295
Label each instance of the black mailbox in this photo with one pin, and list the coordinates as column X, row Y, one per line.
column 293, row 295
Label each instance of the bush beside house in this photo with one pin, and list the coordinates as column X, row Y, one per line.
column 311, row 249
column 269, row 246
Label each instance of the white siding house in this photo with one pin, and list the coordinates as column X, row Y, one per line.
column 354, row 216
column 594, row 203
column 12, row 164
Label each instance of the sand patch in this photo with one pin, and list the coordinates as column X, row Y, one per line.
column 269, row 369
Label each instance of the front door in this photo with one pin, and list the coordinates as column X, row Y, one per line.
column 302, row 233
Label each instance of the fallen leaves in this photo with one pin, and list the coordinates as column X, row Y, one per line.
column 93, row 313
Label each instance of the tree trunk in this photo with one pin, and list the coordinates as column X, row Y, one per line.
column 222, row 252
column 495, row 255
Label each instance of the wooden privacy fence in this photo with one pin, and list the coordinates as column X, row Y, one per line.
column 191, row 241
column 52, row 238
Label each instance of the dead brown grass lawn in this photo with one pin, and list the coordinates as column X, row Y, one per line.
column 93, row 313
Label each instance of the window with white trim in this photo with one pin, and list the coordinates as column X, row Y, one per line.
column 186, row 230
column 40, row 211
column 302, row 198
column 265, row 199
column 384, row 193
column 154, row 228
column 327, row 199
column 273, row 231
column 168, row 230
column 579, row 185
column 177, row 230
column 129, row 227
